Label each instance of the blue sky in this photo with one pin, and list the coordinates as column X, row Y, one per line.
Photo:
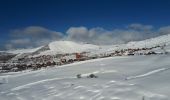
column 22, row 16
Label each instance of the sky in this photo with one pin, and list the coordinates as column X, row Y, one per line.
column 32, row 23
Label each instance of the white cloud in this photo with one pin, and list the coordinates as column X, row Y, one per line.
column 101, row 36
column 78, row 33
column 94, row 35
column 32, row 36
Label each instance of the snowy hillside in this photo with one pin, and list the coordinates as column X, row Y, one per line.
column 72, row 47
column 61, row 47
column 119, row 78
column 161, row 40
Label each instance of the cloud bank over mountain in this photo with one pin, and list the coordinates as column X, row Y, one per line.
column 33, row 36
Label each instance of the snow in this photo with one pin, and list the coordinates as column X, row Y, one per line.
column 148, row 73
column 70, row 47
column 161, row 40
column 119, row 78
column 3, row 79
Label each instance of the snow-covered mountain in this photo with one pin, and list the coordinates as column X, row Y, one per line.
column 62, row 47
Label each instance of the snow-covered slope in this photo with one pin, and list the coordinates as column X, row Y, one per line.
column 72, row 47
column 62, row 47
column 119, row 78
column 69, row 46
column 161, row 40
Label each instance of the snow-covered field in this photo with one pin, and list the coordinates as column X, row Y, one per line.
column 119, row 78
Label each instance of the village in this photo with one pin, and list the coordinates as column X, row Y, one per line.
column 43, row 61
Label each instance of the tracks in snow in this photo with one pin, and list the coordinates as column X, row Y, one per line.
column 38, row 82
column 148, row 73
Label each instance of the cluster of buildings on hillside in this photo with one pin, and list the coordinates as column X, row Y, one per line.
column 38, row 62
